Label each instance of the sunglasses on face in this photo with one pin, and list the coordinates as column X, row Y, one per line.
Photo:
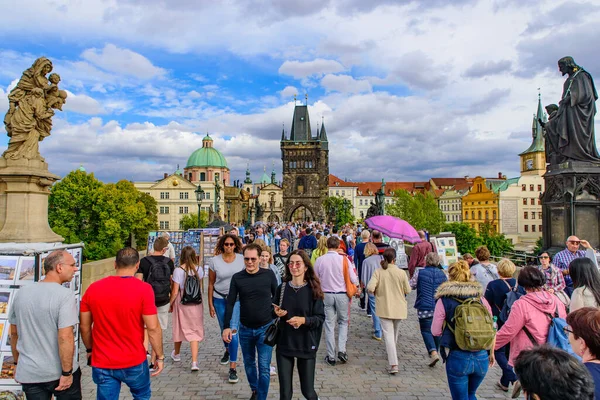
column 296, row 264
column 574, row 241
column 250, row 259
column 567, row 329
column 228, row 244
column 544, row 257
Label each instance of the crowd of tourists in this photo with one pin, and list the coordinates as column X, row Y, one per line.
column 276, row 288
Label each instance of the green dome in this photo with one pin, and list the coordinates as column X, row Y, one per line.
column 207, row 156
column 265, row 178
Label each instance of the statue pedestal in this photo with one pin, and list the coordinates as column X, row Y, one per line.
column 24, row 191
column 571, row 203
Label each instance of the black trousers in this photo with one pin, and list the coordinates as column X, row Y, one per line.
column 45, row 390
column 306, row 372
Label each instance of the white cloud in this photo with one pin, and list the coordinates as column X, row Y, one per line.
column 302, row 69
column 82, row 104
column 288, row 92
column 123, row 61
column 345, row 84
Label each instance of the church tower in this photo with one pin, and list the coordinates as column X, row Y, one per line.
column 305, row 169
column 533, row 160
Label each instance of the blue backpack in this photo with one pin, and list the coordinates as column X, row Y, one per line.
column 557, row 337
column 511, row 296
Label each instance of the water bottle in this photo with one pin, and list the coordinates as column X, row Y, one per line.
column 495, row 323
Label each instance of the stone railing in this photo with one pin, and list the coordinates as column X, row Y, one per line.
column 96, row 270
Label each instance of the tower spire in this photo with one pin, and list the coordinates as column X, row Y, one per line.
column 282, row 131
column 322, row 133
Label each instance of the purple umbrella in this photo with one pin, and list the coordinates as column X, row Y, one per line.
column 393, row 227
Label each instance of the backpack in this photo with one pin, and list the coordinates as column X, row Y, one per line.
column 159, row 278
column 557, row 337
column 191, row 290
column 511, row 297
column 473, row 325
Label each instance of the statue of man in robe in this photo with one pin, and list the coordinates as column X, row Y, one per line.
column 570, row 132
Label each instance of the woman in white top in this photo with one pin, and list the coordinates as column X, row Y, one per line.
column 188, row 319
column 586, row 281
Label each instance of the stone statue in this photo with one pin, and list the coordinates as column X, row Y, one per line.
column 570, row 129
column 31, row 107
column 259, row 210
column 372, row 211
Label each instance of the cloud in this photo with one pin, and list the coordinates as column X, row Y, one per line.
column 123, row 61
column 288, row 92
column 345, row 84
column 485, row 68
column 302, row 69
column 565, row 14
column 417, row 70
column 82, row 104
column 489, row 101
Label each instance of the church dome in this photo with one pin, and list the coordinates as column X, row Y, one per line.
column 207, row 156
column 265, row 178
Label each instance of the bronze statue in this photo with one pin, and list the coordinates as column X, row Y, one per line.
column 31, row 107
column 570, row 129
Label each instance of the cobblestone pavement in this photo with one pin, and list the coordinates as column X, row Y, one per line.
column 364, row 376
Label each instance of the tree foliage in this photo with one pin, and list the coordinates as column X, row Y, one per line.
column 497, row 243
column 420, row 210
column 190, row 221
column 83, row 209
column 468, row 239
column 339, row 210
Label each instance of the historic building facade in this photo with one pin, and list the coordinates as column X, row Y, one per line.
column 305, row 169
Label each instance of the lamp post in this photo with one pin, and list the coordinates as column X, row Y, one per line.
column 228, row 203
column 199, row 197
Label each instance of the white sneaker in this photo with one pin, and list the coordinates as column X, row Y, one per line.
column 195, row 367
column 175, row 357
column 273, row 371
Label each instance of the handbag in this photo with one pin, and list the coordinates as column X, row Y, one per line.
column 350, row 287
column 272, row 332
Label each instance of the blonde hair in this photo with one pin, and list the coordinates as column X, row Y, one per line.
column 261, row 243
column 365, row 235
column 370, row 249
column 268, row 250
column 506, row 268
column 459, row 271
column 322, row 245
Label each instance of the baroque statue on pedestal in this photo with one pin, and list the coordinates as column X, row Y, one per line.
column 570, row 129
column 31, row 107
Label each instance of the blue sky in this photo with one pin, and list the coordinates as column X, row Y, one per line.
column 408, row 90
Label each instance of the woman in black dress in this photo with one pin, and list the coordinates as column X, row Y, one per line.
column 302, row 314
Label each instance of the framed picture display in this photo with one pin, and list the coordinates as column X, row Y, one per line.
column 8, row 269
column 7, row 371
column 5, row 345
column 5, row 301
column 75, row 284
column 11, row 392
column 25, row 271
column 42, row 257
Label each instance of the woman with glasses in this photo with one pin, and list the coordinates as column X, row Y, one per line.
column 302, row 314
column 586, row 281
column 555, row 281
column 222, row 266
column 584, row 336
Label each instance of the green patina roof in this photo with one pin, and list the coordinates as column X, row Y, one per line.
column 502, row 187
column 207, row 156
column 265, row 178
column 81, row 168
column 537, row 131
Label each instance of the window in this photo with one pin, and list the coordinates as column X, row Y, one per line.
column 526, row 228
column 494, row 214
column 207, row 195
column 532, row 202
column 202, row 176
column 531, row 188
column 466, row 215
column 217, row 177
column 539, row 188
column 164, row 225
column 524, row 201
column 532, row 215
column 532, row 228
column 147, row 193
column 525, row 215
column 360, row 202
column 487, row 215
column 183, row 195
column 478, row 214
column 343, row 192
column 523, row 187
column 164, row 210
column 540, row 215
column 183, row 210
column 189, row 176
column 452, row 207
column 539, row 228
column 337, row 192
column 164, row 195
column 472, row 214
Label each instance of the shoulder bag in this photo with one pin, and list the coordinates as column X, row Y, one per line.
column 350, row 287
column 272, row 332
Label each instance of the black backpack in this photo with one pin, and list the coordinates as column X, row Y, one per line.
column 191, row 290
column 159, row 277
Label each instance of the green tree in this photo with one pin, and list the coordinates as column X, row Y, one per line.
column 420, row 210
column 497, row 243
column 190, row 221
column 339, row 210
column 467, row 239
column 149, row 222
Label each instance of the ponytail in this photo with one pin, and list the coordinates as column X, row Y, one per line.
column 389, row 255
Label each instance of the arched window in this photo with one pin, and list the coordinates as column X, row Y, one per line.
column 466, row 215
column 494, row 214
column 487, row 214
column 472, row 214
column 478, row 214
column 202, row 176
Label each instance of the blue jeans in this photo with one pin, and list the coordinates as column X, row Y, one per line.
column 508, row 374
column 220, row 305
column 376, row 321
column 277, row 241
column 252, row 342
column 466, row 370
column 432, row 343
column 109, row 382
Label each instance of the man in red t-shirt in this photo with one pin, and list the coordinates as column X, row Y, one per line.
column 118, row 307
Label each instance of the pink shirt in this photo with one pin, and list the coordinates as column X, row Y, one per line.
column 329, row 269
column 439, row 316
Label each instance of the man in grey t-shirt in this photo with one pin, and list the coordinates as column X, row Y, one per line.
column 42, row 320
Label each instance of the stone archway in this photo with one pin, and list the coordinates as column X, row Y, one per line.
column 301, row 213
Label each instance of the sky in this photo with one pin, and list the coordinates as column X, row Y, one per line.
column 407, row 90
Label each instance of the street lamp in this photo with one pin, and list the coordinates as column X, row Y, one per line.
column 228, row 203
column 199, row 197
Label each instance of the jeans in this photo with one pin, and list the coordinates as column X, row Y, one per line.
column 336, row 310
column 376, row 320
column 466, row 370
column 432, row 343
column 252, row 342
column 220, row 305
column 109, row 382
column 508, row 374
column 306, row 373
column 277, row 241
column 45, row 390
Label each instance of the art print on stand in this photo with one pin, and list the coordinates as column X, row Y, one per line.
column 25, row 271
column 41, row 272
column 8, row 269
column 5, row 301
column 75, row 284
column 5, row 345
column 7, row 371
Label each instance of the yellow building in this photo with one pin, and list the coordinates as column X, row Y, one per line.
column 480, row 205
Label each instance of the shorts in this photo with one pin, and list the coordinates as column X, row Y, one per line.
column 163, row 316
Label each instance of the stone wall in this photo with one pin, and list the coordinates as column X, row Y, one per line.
column 96, row 270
